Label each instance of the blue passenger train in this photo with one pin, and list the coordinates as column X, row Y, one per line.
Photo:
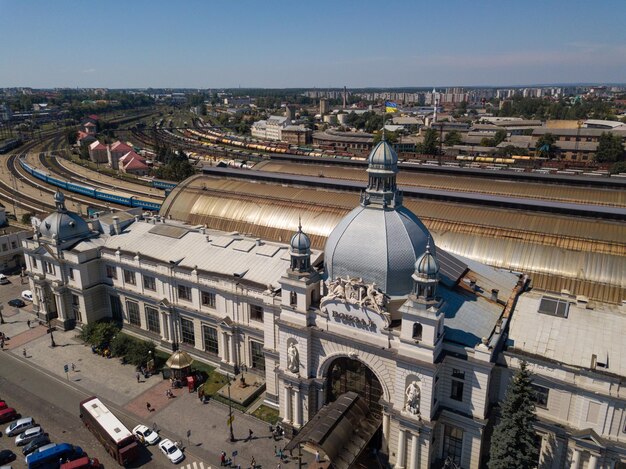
column 107, row 196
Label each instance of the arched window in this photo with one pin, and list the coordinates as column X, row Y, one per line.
column 293, row 298
column 417, row 331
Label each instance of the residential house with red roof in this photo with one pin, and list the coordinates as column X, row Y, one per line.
column 132, row 163
column 98, row 152
column 116, row 151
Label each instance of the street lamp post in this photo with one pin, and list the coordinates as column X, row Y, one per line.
column 52, row 343
column 230, row 412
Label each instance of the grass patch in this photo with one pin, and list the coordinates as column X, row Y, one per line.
column 266, row 414
column 214, row 383
column 224, row 400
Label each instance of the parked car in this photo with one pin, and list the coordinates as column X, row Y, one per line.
column 4, row 279
column 19, row 426
column 173, row 452
column 6, row 456
column 27, row 295
column 35, row 444
column 146, row 435
column 82, row 463
column 28, row 435
column 8, row 414
column 3, row 405
column 17, row 303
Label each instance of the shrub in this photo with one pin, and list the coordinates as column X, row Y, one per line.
column 99, row 332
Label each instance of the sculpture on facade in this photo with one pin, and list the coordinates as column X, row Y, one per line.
column 293, row 358
column 413, row 398
column 374, row 298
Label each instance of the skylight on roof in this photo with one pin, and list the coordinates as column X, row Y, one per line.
column 553, row 307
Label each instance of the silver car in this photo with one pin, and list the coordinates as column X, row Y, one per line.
column 28, row 435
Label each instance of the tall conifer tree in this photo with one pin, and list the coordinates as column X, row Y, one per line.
column 513, row 443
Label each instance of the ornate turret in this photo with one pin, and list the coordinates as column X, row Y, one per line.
column 300, row 250
column 59, row 201
column 382, row 170
column 426, row 275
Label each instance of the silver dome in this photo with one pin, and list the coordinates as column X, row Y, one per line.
column 300, row 242
column 61, row 226
column 427, row 265
column 383, row 155
column 378, row 245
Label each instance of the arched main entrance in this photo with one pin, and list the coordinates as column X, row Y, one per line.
column 346, row 374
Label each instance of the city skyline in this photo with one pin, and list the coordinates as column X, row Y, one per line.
column 223, row 45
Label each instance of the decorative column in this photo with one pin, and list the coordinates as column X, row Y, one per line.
column 233, row 354
column 386, row 424
column 610, row 463
column 226, row 348
column 288, row 403
column 593, row 461
column 320, row 397
column 298, row 407
column 401, row 456
column 575, row 459
column 414, row 450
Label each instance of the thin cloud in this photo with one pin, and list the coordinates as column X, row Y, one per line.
column 89, row 70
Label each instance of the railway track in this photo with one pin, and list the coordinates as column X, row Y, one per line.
column 53, row 166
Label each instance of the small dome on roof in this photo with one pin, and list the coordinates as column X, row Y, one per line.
column 62, row 225
column 300, row 242
column 427, row 265
column 383, row 155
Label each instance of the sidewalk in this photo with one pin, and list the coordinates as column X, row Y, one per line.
column 117, row 383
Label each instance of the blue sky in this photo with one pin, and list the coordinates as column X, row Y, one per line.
column 247, row 43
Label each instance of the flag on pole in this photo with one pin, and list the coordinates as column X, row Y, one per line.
column 390, row 106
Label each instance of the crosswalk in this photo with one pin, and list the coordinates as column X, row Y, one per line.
column 195, row 465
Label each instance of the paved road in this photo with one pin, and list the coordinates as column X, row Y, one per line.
column 38, row 386
column 54, row 404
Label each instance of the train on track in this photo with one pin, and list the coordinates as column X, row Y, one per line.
column 99, row 194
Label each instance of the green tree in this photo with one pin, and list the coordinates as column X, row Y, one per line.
column 99, row 333
column 452, row 138
column 513, row 444
column 430, row 145
column 487, row 142
column 545, row 145
column 610, row 148
column 619, row 167
column 391, row 137
column 499, row 137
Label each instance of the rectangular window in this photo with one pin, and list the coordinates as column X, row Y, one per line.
column 111, row 272
column 76, row 308
column 184, row 292
column 256, row 312
column 34, row 262
column 13, row 245
column 149, row 283
column 5, row 247
column 458, row 374
column 116, row 308
column 452, row 444
column 152, row 319
column 133, row 313
column 49, row 268
column 208, row 299
column 457, row 390
column 129, row 277
column 188, row 334
column 210, row 339
column 541, row 396
column 70, row 273
column 256, row 355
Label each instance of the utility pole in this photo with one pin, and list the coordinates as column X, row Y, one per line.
column 230, row 412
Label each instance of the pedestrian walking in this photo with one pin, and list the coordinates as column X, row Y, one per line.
column 73, row 367
column 28, row 323
column 149, row 407
column 138, row 376
column 278, row 466
column 250, row 433
column 253, row 463
column 24, row 352
column 317, row 456
column 2, row 343
column 223, row 459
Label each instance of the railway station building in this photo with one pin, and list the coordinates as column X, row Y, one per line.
column 377, row 340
